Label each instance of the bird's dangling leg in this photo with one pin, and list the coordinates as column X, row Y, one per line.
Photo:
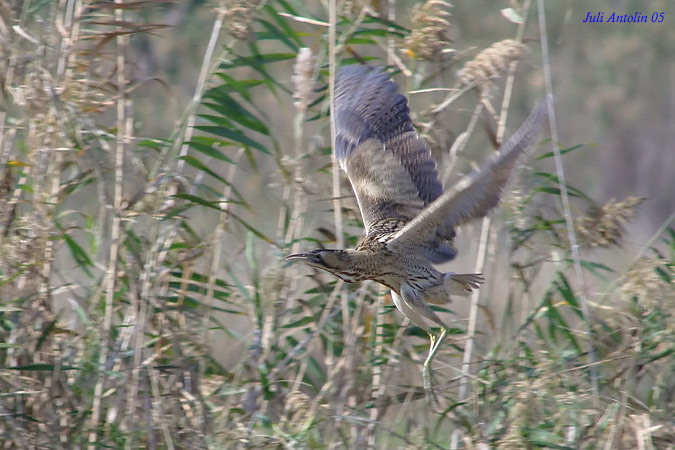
column 436, row 342
column 411, row 304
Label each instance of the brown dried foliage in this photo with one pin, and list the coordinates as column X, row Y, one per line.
column 491, row 63
column 431, row 30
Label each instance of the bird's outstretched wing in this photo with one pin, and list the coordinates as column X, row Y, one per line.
column 388, row 164
column 475, row 194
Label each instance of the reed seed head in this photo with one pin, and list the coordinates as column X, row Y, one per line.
column 303, row 81
column 431, row 28
column 604, row 226
column 491, row 63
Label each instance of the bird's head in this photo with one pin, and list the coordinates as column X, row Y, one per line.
column 337, row 262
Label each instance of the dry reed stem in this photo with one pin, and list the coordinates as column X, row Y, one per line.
column 161, row 245
column 305, row 71
column 216, row 245
column 120, row 145
column 377, row 387
column 335, row 170
column 206, row 69
column 483, row 241
column 560, row 171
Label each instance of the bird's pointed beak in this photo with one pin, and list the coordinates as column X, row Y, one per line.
column 297, row 257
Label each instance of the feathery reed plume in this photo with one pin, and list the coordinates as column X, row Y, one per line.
column 491, row 62
column 238, row 17
column 430, row 30
column 302, row 78
column 643, row 283
column 603, row 226
column 299, row 406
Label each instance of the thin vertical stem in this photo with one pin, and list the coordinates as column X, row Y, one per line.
column 337, row 207
column 201, row 82
column 120, row 143
column 337, row 204
column 377, row 386
column 483, row 243
column 560, row 171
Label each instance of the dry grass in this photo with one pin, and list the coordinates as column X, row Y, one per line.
column 145, row 302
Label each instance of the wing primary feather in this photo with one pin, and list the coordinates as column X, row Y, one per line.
column 367, row 105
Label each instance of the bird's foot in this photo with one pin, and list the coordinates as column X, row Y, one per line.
column 429, row 391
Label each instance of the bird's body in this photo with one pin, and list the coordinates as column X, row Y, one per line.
column 410, row 222
column 373, row 261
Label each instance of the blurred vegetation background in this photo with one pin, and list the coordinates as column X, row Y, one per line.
column 159, row 159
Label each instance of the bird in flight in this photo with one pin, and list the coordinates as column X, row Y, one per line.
column 410, row 222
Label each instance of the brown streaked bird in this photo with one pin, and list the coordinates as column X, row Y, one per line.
column 410, row 222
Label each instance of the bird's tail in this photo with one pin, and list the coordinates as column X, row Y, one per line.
column 462, row 283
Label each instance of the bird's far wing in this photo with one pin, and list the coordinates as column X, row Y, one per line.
column 475, row 194
column 388, row 164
